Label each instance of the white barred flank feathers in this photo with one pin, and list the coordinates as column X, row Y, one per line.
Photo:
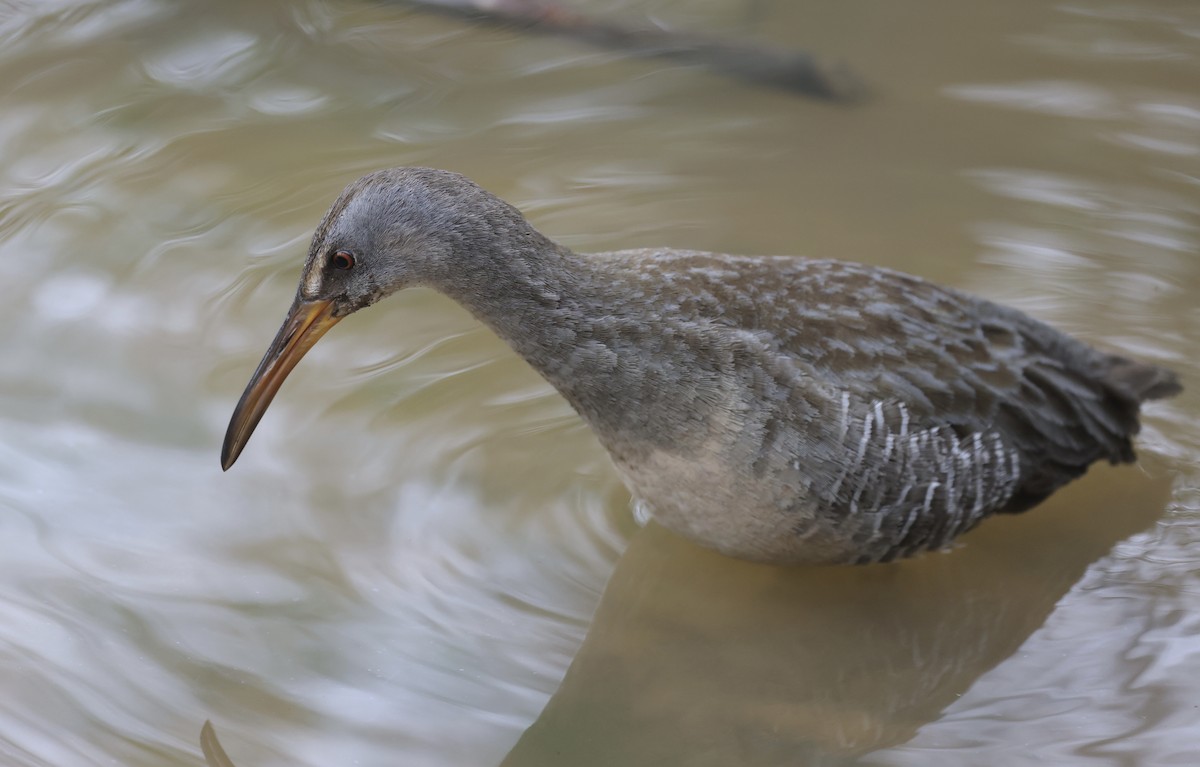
column 917, row 488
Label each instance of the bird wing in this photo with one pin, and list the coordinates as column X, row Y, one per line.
column 951, row 365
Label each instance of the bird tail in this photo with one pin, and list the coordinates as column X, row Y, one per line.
column 1139, row 381
column 1105, row 424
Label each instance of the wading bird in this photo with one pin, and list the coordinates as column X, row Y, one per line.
column 775, row 409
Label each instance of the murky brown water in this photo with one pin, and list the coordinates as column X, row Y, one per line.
column 408, row 557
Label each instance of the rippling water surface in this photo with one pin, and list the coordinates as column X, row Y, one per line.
column 409, row 555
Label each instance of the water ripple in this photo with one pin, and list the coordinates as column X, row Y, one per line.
column 223, row 57
column 1066, row 99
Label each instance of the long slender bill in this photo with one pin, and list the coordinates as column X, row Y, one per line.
column 305, row 324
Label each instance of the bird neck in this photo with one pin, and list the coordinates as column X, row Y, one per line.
column 557, row 309
column 529, row 291
column 580, row 322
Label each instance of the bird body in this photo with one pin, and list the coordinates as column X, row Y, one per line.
column 776, row 409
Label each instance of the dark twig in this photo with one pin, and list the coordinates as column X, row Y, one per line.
column 214, row 755
column 764, row 64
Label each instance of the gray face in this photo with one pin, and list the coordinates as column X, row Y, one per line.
column 395, row 228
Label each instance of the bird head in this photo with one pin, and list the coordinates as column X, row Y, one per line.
column 388, row 230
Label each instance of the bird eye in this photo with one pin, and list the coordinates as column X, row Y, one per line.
column 343, row 260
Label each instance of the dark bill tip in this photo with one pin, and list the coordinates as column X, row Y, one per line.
column 305, row 324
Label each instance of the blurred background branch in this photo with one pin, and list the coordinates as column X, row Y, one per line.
column 785, row 68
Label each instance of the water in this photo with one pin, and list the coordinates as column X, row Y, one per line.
column 408, row 557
